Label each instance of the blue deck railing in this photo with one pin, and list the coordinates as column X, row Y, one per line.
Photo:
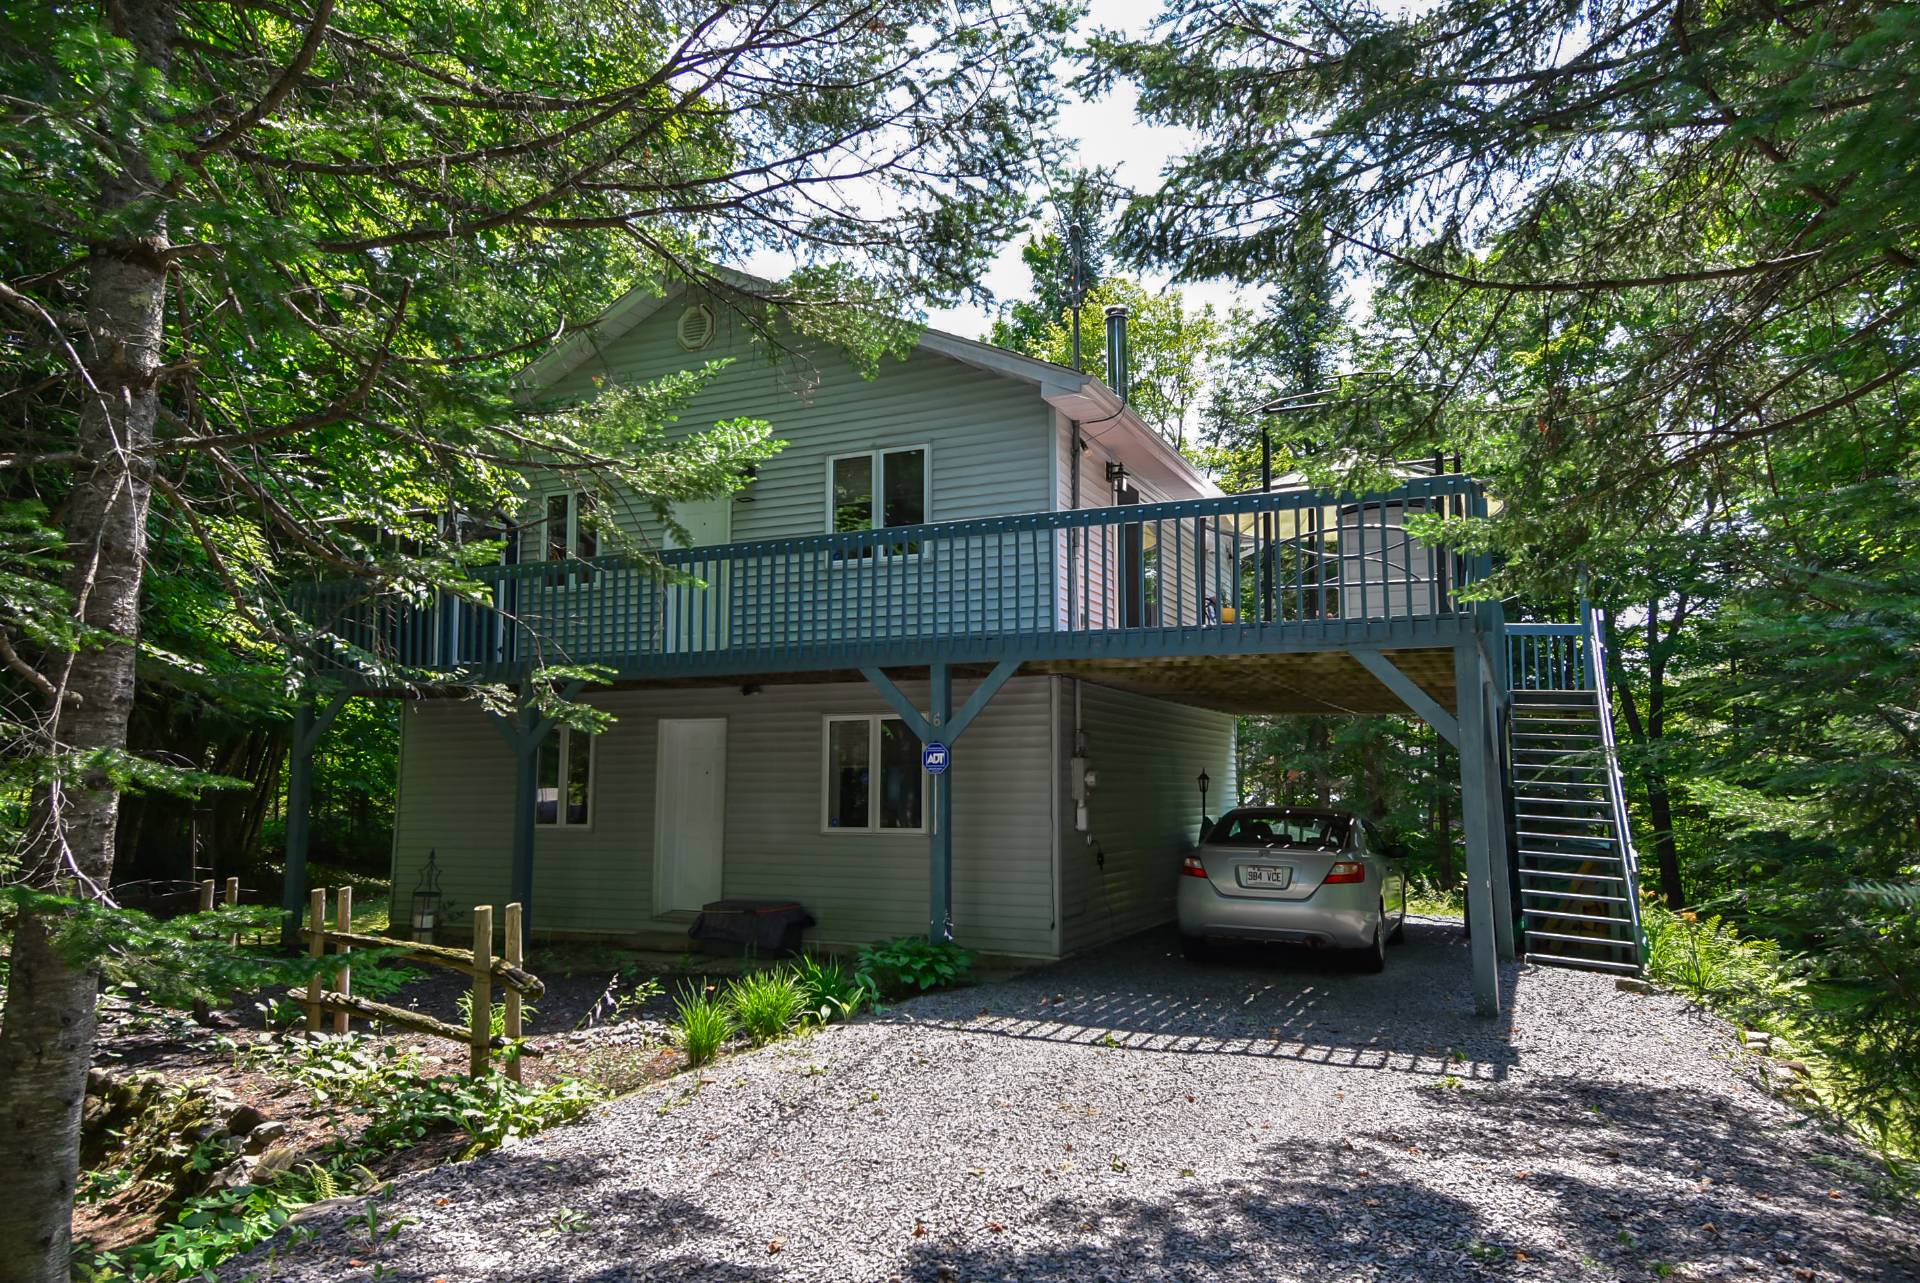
column 1233, row 574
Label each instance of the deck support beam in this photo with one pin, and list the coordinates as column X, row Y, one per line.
column 1497, row 829
column 525, row 730
column 945, row 726
column 1410, row 692
column 309, row 724
column 1479, row 803
column 940, row 839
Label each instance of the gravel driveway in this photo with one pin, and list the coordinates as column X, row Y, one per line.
column 1131, row 1116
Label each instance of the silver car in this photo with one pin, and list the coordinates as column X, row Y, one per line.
column 1292, row 875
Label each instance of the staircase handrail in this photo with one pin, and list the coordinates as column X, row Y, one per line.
column 1616, row 788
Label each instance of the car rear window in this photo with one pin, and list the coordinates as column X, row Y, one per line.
column 1283, row 828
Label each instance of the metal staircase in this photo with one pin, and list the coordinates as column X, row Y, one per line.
column 1576, row 870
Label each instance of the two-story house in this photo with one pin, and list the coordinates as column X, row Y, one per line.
column 1071, row 800
column 960, row 659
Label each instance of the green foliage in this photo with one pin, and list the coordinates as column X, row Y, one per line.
column 915, row 964
column 832, row 991
column 1709, row 961
column 703, row 1023
column 174, row 962
column 371, row 980
column 222, row 1225
column 497, row 1014
column 491, row 1110
column 766, row 1003
column 345, row 1070
column 1088, row 200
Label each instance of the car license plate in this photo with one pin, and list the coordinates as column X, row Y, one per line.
column 1266, row 877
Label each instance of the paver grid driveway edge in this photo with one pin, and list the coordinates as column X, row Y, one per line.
column 1129, row 1116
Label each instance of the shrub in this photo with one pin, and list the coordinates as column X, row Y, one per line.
column 337, row 1069
column 833, row 992
column 914, row 964
column 767, row 1003
column 704, row 1024
column 492, row 1110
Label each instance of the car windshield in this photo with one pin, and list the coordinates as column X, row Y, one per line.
column 1282, row 828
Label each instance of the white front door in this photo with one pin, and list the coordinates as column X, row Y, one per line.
column 690, row 809
column 696, row 617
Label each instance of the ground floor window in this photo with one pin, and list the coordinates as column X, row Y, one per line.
column 871, row 779
column 563, row 790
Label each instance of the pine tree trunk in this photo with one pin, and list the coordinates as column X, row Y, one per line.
column 46, row 1037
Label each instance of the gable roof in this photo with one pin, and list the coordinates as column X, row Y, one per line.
column 1075, row 394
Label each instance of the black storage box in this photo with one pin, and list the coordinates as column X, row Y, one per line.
column 764, row 928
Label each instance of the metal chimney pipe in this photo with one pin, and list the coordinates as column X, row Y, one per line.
column 1117, row 349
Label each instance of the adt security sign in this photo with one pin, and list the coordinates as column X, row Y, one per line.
column 933, row 756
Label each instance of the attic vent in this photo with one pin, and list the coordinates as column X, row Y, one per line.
column 696, row 327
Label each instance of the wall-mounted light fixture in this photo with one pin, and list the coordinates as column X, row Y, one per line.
column 748, row 474
column 426, row 899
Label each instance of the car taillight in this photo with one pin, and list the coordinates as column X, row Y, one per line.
column 1192, row 867
column 1347, row 871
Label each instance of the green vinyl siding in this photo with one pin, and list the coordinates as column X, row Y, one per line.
column 456, row 779
column 988, row 440
column 1144, row 811
column 989, row 436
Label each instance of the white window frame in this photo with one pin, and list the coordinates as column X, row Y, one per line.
column 567, row 738
column 873, row 829
column 878, row 458
column 572, row 538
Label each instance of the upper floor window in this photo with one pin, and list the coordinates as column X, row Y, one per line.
column 563, row 789
column 878, row 489
column 872, row 779
column 571, row 527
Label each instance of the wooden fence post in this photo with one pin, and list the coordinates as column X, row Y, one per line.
column 482, row 989
column 233, row 898
column 201, row 1012
column 343, row 917
column 316, row 946
column 513, row 993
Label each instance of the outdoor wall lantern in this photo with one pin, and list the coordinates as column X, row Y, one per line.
column 426, row 899
column 1205, row 782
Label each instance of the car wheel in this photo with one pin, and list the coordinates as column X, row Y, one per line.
column 1372, row 958
column 1197, row 948
column 1399, row 935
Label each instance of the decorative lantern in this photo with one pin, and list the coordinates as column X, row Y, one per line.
column 426, row 899
column 1205, row 781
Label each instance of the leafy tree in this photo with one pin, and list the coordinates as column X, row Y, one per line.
column 1748, row 170
column 1058, row 283
column 1651, row 271
column 271, row 272
column 1171, row 352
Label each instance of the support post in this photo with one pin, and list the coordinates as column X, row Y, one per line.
column 299, row 805
column 233, row 898
column 524, row 733
column 515, row 957
column 940, row 842
column 480, row 1031
column 309, row 725
column 525, row 798
column 1500, row 857
column 316, row 947
column 1476, row 784
column 343, row 919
